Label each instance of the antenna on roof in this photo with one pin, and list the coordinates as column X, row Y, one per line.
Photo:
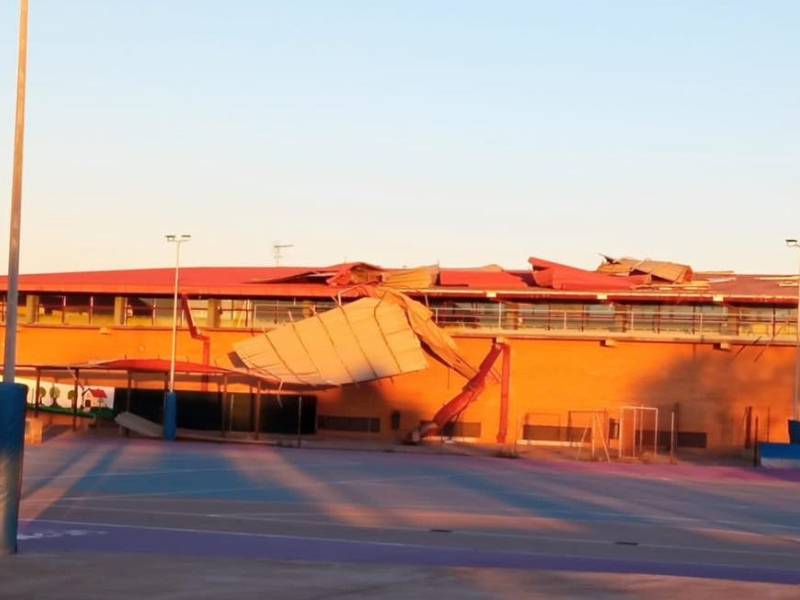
column 277, row 251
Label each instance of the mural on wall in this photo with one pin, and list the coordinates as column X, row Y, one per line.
column 53, row 394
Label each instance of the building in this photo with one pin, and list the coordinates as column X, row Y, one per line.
column 715, row 349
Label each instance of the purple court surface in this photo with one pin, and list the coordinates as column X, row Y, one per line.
column 122, row 496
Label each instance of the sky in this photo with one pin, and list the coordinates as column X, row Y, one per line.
column 405, row 132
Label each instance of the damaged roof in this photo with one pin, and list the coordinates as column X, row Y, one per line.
column 616, row 278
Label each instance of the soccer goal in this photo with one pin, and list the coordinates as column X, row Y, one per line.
column 638, row 431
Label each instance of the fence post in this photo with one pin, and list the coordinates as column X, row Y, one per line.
column 755, row 445
column 672, row 438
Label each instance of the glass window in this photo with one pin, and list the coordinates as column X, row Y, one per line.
column 77, row 309
column 601, row 317
column 755, row 321
column 712, row 319
column 102, row 310
column 785, row 322
column 51, row 309
column 677, row 318
column 273, row 312
column 139, row 312
column 234, row 312
column 643, row 317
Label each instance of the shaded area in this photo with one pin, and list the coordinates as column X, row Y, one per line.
column 409, row 508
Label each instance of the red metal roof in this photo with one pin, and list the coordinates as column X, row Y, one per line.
column 487, row 280
column 561, row 277
column 545, row 280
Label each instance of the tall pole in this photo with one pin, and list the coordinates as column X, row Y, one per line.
column 174, row 349
column 795, row 409
column 170, row 401
column 792, row 243
column 10, row 353
column 13, row 395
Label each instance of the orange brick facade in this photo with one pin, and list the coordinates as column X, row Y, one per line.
column 711, row 387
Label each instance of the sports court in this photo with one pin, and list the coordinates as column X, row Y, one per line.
column 110, row 495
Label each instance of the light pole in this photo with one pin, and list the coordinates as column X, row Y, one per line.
column 13, row 395
column 795, row 415
column 170, row 403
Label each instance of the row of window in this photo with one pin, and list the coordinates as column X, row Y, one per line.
column 137, row 311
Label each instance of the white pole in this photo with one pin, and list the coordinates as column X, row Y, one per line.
column 795, row 409
column 177, row 240
column 10, row 351
column 791, row 243
column 174, row 319
column 672, row 438
column 655, row 435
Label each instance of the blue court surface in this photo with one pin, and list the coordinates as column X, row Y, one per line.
column 118, row 495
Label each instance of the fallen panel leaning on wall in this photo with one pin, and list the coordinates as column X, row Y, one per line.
column 365, row 340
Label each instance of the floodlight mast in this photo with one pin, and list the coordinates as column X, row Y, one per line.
column 12, row 293
column 793, row 243
column 177, row 240
column 13, row 395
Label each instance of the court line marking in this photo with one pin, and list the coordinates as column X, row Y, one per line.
column 579, row 516
column 456, row 532
column 229, row 469
column 417, row 546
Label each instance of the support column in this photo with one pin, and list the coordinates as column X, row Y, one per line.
column 31, row 308
column 36, row 398
column 212, row 313
column 12, row 439
column 124, row 430
column 257, row 432
column 119, row 310
column 75, row 401
column 505, row 384
column 170, row 410
column 222, row 412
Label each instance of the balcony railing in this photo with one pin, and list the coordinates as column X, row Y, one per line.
column 620, row 320
column 695, row 321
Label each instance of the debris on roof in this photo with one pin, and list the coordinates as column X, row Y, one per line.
column 358, row 273
column 556, row 276
column 657, row 269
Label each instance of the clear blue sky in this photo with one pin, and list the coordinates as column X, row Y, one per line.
column 406, row 132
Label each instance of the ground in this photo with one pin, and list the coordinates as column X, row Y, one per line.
column 122, row 517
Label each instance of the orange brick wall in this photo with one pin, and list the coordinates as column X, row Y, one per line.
column 548, row 378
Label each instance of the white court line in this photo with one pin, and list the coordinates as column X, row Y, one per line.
column 578, row 516
column 356, row 542
column 139, row 473
column 457, row 533
column 177, row 495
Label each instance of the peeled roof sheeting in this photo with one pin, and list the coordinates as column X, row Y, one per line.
column 666, row 271
column 498, row 280
column 361, row 341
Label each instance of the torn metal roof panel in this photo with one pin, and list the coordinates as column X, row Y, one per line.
column 556, row 276
column 365, row 340
column 663, row 270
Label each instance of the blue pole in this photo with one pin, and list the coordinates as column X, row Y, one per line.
column 13, row 398
column 170, row 416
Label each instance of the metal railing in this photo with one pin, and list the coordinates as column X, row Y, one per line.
column 620, row 319
column 753, row 323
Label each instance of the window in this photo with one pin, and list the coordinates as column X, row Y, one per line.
column 51, row 309
column 102, row 310
column 360, row 424
column 77, row 309
column 785, row 322
column 713, row 319
column 678, row 318
column 601, row 317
